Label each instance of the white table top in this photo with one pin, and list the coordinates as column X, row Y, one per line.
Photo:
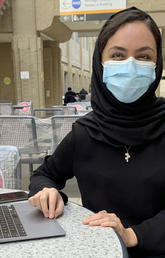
column 81, row 241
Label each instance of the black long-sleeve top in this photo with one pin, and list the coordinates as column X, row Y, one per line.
column 134, row 190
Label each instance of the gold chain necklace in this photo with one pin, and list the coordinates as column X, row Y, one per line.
column 127, row 155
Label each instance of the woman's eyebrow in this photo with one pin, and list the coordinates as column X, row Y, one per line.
column 118, row 48
column 137, row 50
column 145, row 48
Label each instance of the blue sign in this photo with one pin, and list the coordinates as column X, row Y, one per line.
column 76, row 3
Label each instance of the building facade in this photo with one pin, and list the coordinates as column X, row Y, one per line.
column 76, row 62
column 40, row 56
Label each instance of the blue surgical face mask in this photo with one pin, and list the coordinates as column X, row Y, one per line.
column 128, row 79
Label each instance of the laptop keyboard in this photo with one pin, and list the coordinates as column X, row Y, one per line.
column 10, row 224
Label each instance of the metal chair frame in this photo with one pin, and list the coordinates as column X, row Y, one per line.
column 48, row 112
column 19, row 111
column 10, row 166
column 6, row 108
column 61, row 126
column 20, row 131
column 68, row 110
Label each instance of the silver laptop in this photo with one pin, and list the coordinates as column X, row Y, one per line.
column 20, row 221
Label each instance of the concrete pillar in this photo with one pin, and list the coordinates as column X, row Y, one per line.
column 69, row 65
column 57, row 87
column 52, row 68
column 81, row 63
column 27, row 53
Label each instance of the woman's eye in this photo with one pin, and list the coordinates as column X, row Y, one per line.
column 117, row 56
column 144, row 57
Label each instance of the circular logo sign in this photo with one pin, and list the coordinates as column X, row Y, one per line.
column 78, row 107
column 1, row 179
column 26, row 106
column 7, row 81
column 76, row 4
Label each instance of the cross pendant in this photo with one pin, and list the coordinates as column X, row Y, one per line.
column 127, row 156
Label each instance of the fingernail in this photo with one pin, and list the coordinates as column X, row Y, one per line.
column 55, row 214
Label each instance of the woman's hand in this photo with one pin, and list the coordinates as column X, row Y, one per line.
column 49, row 201
column 105, row 219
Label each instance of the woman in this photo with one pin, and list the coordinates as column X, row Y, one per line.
column 117, row 151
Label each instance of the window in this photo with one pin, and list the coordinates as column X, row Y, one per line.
column 76, row 37
column 86, row 43
column 79, row 81
column 83, row 42
column 73, row 80
column 65, row 81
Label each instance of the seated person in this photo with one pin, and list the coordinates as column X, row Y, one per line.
column 82, row 94
column 69, row 96
column 116, row 152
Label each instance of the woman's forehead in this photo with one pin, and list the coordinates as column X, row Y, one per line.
column 136, row 33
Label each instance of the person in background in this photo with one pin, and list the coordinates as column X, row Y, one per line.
column 116, row 152
column 82, row 94
column 69, row 96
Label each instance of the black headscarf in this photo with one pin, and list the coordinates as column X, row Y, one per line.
column 118, row 123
